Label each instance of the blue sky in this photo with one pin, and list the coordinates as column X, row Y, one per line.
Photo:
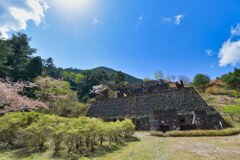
column 179, row 37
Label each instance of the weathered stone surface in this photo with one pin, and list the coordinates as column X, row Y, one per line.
column 168, row 109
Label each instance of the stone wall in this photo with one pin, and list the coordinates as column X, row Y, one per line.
column 176, row 108
column 184, row 100
column 114, row 108
column 165, row 120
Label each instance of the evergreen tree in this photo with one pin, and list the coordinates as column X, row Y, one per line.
column 34, row 68
column 20, row 58
column 201, row 80
column 5, row 52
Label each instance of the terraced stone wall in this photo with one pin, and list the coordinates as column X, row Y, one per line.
column 158, row 107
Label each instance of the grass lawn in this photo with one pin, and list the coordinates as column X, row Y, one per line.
column 151, row 148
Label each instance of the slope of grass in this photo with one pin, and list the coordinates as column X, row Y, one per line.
column 220, row 101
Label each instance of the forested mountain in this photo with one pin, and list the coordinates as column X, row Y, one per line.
column 109, row 71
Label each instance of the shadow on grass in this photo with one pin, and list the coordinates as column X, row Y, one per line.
column 107, row 149
column 26, row 152
column 97, row 153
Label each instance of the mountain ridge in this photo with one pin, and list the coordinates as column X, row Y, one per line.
column 109, row 71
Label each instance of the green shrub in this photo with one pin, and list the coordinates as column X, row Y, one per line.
column 79, row 135
column 37, row 134
column 216, row 90
column 198, row 133
column 128, row 128
column 12, row 123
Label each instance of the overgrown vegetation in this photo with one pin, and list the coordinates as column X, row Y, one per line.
column 233, row 111
column 76, row 135
column 198, row 133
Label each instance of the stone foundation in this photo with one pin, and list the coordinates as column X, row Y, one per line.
column 173, row 109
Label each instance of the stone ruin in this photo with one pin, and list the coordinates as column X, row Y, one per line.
column 156, row 106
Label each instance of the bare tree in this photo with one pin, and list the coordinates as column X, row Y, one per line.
column 173, row 78
column 158, row 75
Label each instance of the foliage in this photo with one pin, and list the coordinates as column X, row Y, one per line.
column 110, row 72
column 69, row 106
column 5, row 52
column 18, row 63
column 79, row 135
column 232, row 110
column 91, row 78
column 200, row 81
column 17, row 60
column 61, row 99
column 49, row 69
column 128, row 128
column 216, row 90
column 119, row 79
column 20, row 58
column 198, row 133
column 146, row 79
column 232, row 79
column 73, row 78
column 50, row 89
column 11, row 125
column 12, row 100
column 34, row 68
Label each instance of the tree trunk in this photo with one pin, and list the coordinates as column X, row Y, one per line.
column 69, row 149
column 92, row 146
column 203, row 89
column 41, row 145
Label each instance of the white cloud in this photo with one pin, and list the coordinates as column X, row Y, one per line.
column 95, row 21
column 209, row 52
column 229, row 53
column 15, row 14
column 174, row 19
column 139, row 21
column 140, row 18
column 235, row 31
column 178, row 19
column 166, row 19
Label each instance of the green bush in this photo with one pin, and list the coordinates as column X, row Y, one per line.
column 215, row 90
column 78, row 135
column 12, row 123
column 198, row 133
